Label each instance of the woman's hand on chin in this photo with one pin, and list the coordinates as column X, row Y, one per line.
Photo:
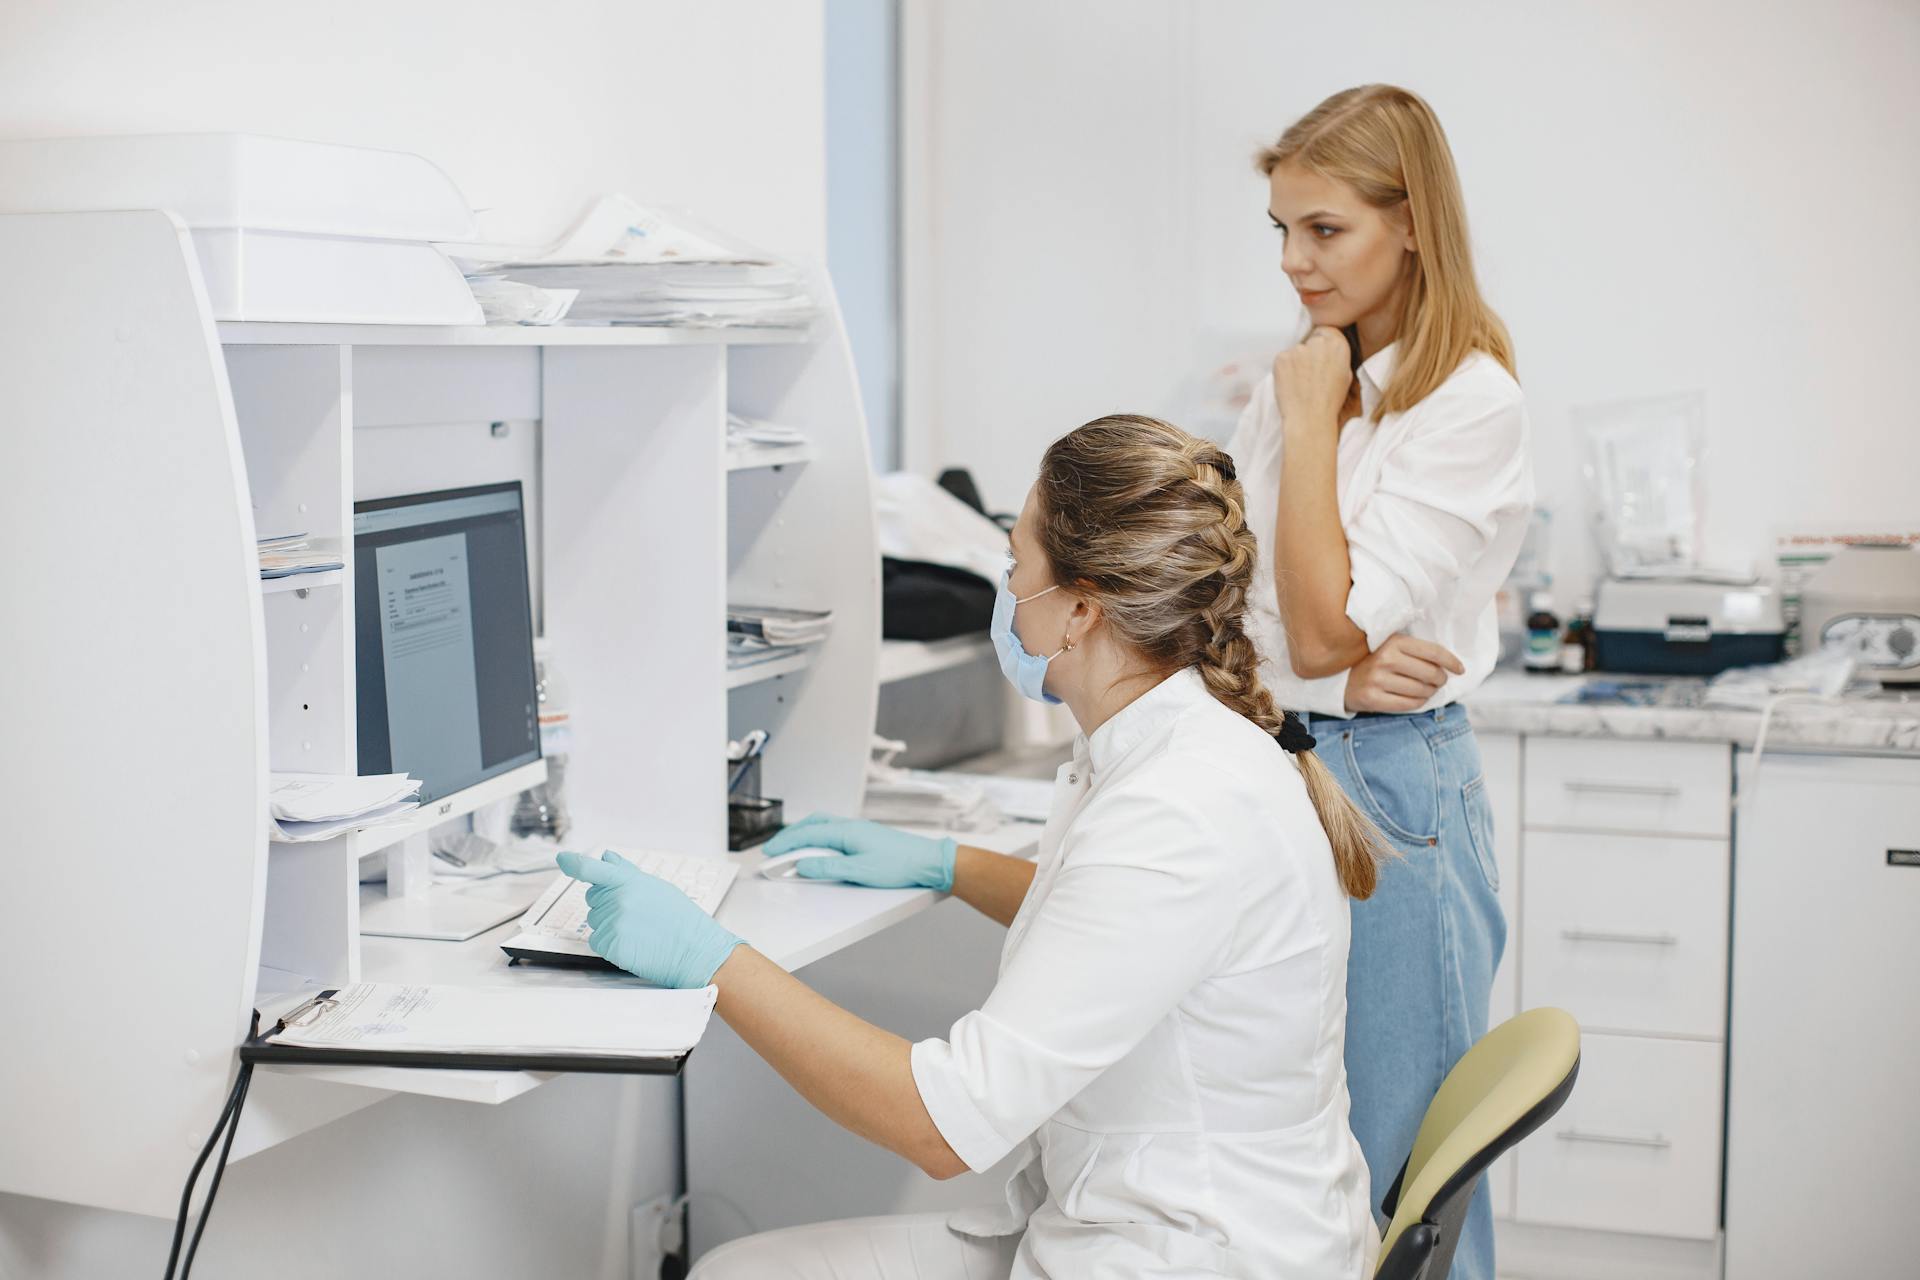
column 1311, row 380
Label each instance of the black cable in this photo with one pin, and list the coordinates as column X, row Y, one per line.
column 228, row 1124
column 193, row 1176
column 213, row 1188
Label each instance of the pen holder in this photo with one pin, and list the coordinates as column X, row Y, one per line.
column 751, row 818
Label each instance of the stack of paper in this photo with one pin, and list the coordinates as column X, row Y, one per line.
column 751, row 441
column 292, row 553
column 761, row 633
column 319, row 806
column 505, row 301
column 631, row 264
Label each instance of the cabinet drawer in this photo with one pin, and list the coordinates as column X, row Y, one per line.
column 1627, row 933
column 1666, row 788
column 1636, row 1148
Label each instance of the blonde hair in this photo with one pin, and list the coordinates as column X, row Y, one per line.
column 1149, row 521
column 1387, row 145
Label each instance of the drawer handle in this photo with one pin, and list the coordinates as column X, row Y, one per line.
column 1603, row 935
column 1656, row 1142
column 1623, row 788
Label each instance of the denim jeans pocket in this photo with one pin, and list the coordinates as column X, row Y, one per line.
column 1473, row 797
column 1395, row 782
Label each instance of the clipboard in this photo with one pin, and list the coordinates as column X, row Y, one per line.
column 263, row 1049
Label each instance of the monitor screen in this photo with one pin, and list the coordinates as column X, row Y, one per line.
column 443, row 635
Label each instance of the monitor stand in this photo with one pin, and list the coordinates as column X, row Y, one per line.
column 411, row 905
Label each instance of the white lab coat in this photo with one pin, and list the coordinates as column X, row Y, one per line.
column 1165, row 1041
column 1434, row 501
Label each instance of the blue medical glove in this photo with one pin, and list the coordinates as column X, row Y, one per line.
column 872, row 855
column 645, row 925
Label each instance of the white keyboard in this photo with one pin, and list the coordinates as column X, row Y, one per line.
column 555, row 926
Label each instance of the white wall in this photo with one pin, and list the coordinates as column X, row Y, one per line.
column 533, row 110
column 1712, row 195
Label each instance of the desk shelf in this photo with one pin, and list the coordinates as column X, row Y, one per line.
column 302, row 582
column 766, row 459
column 772, row 669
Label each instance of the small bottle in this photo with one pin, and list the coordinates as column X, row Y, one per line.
column 1589, row 642
column 1543, row 634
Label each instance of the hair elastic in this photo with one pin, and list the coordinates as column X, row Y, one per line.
column 1293, row 736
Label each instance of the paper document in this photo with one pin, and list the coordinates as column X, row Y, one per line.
column 629, row 263
column 289, row 554
column 318, row 797
column 303, row 807
column 772, row 624
column 639, row 1023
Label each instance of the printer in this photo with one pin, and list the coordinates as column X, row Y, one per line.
column 1686, row 626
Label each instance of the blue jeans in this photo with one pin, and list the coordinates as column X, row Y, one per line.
column 1426, row 943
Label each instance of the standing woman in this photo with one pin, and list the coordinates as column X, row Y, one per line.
column 1403, row 498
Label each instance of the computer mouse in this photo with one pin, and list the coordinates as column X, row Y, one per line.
column 781, row 868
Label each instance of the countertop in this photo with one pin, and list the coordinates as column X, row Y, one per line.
column 1515, row 702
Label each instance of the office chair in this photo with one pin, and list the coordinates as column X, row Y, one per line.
column 1505, row 1087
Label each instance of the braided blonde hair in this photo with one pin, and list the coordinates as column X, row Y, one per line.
column 1150, row 522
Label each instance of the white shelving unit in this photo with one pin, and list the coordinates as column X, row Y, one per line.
column 186, row 435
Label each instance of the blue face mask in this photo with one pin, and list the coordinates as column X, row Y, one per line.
column 1025, row 671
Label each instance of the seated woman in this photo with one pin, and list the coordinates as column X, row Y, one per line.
column 1164, row 1045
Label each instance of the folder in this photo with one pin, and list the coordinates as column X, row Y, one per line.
column 619, row 1030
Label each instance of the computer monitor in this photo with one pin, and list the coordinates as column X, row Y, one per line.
column 444, row 637
column 443, row 642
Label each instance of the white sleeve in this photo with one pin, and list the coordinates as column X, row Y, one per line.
column 1253, row 421
column 1443, row 489
column 1142, row 911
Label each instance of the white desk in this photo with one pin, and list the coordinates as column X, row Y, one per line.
column 793, row 923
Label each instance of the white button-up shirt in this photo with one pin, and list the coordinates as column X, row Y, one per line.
column 1165, row 1040
column 1435, row 503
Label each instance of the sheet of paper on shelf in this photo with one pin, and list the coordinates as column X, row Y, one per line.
column 775, row 625
column 288, row 554
column 640, row 1022
column 317, row 797
column 742, row 651
column 753, row 440
column 303, row 807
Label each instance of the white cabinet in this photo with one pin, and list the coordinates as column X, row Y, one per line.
column 1637, row 1147
column 1623, row 923
column 1628, row 933
column 1665, row 788
column 1822, row 1120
